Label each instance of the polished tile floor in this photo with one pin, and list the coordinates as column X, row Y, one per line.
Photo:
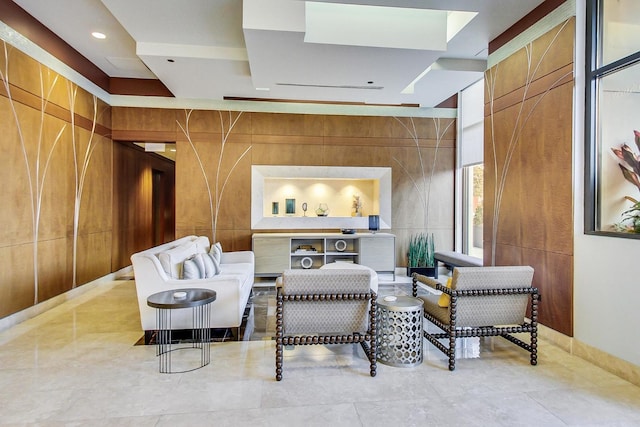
column 77, row 365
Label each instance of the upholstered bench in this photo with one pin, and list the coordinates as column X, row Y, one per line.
column 453, row 259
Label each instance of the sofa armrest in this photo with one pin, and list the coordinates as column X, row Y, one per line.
column 237, row 257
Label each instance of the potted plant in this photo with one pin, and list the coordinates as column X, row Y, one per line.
column 420, row 257
column 630, row 218
column 630, row 167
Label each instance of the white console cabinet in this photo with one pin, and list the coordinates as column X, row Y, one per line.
column 276, row 252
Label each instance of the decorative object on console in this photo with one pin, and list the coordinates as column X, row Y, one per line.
column 290, row 206
column 420, row 257
column 323, row 209
column 374, row 223
column 348, row 231
column 306, row 262
column 340, row 245
column 275, row 208
column 302, row 249
column 357, row 205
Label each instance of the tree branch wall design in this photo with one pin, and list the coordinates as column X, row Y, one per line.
column 501, row 166
column 37, row 164
column 81, row 160
column 216, row 187
column 422, row 182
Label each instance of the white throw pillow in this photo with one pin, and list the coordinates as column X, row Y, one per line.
column 190, row 269
column 202, row 243
column 216, row 251
column 209, row 265
column 172, row 259
column 215, row 262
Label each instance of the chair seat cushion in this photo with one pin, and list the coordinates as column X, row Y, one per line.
column 431, row 306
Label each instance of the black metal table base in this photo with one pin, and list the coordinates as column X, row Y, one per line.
column 199, row 302
column 200, row 338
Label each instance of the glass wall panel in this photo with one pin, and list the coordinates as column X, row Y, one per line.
column 621, row 30
column 612, row 143
column 618, row 107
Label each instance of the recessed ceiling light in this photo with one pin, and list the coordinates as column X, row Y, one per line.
column 170, row 60
column 99, row 35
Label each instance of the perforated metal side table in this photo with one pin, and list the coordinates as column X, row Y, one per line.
column 199, row 301
column 399, row 328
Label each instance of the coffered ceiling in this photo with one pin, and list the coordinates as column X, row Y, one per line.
column 355, row 51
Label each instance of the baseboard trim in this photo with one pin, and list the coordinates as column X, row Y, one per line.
column 612, row 364
column 33, row 311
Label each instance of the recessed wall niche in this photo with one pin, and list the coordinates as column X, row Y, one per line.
column 333, row 186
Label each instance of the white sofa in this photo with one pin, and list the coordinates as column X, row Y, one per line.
column 232, row 285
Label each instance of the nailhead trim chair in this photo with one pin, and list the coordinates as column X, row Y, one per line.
column 484, row 301
column 325, row 307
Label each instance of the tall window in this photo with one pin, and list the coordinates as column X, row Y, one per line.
column 612, row 172
column 471, row 153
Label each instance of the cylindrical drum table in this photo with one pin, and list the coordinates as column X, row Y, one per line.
column 199, row 301
column 399, row 338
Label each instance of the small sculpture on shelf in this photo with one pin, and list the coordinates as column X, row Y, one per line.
column 357, row 205
column 323, row 209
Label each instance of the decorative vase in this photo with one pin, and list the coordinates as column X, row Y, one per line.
column 323, row 209
column 374, row 223
column 290, row 206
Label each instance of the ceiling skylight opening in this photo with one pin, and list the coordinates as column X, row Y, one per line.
column 359, row 25
column 456, row 21
column 98, row 35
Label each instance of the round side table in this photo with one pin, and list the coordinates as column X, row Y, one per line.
column 399, row 327
column 199, row 301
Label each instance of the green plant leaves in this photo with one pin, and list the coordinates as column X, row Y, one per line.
column 421, row 250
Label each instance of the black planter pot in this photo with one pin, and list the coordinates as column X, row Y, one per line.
column 425, row 271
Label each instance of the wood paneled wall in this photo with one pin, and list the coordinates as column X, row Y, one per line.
column 215, row 145
column 133, row 202
column 56, row 174
column 528, row 194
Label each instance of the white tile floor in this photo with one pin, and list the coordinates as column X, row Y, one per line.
column 77, row 365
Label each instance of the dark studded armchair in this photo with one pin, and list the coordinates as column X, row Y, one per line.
column 325, row 307
column 484, row 301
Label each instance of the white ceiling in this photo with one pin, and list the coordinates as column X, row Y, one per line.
column 234, row 48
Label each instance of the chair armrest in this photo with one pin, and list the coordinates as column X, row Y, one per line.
column 430, row 282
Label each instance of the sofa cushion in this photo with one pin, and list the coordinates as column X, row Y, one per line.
column 240, row 268
column 172, row 259
column 211, row 267
column 216, row 255
column 202, row 244
column 216, row 251
column 190, row 268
